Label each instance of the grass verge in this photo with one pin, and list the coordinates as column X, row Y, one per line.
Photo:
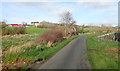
column 103, row 54
column 35, row 52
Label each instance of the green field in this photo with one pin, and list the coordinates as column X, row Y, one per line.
column 17, row 40
column 32, row 30
column 32, row 33
column 102, row 54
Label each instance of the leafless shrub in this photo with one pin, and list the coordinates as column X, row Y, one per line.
column 50, row 36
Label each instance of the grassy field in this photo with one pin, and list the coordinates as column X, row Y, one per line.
column 31, row 30
column 40, row 50
column 31, row 53
column 17, row 40
column 35, row 52
column 103, row 54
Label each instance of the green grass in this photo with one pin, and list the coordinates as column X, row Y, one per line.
column 56, row 47
column 17, row 40
column 98, row 57
column 34, row 52
column 32, row 30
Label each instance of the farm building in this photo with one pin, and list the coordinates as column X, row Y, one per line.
column 41, row 23
column 35, row 23
column 16, row 25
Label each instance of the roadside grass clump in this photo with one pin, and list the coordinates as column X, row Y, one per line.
column 100, row 54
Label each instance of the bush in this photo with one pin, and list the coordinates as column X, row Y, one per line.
column 3, row 25
column 6, row 31
column 50, row 36
column 78, row 30
column 82, row 30
column 42, row 26
column 13, row 31
column 20, row 30
column 46, row 26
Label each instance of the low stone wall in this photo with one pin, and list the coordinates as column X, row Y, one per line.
column 109, row 36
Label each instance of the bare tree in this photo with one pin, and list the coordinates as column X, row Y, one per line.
column 67, row 19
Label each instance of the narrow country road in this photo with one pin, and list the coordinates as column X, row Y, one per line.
column 72, row 56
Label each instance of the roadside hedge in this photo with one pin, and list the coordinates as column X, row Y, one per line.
column 13, row 31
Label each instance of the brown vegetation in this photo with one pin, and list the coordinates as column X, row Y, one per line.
column 105, row 29
column 112, row 50
column 18, row 63
column 56, row 34
column 13, row 31
column 50, row 36
column 101, row 29
column 17, row 49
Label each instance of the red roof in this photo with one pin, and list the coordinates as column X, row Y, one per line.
column 16, row 24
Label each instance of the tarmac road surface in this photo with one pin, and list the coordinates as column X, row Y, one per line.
column 72, row 56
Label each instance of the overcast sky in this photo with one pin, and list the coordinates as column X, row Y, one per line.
column 89, row 12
